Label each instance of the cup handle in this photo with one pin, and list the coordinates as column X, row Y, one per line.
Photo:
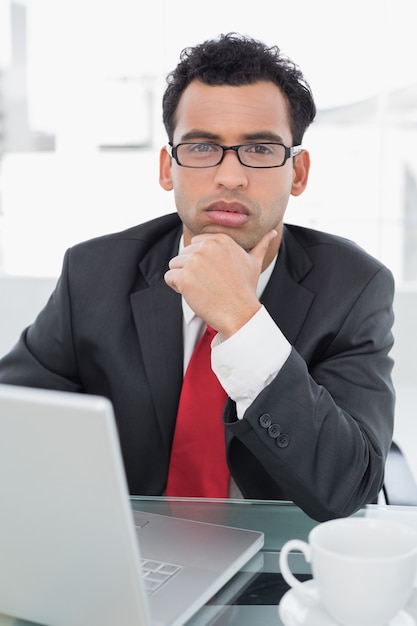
column 290, row 579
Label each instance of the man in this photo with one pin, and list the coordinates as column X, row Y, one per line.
column 303, row 318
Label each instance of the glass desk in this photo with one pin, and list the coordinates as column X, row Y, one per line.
column 253, row 595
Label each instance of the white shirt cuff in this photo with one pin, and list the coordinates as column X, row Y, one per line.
column 249, row 360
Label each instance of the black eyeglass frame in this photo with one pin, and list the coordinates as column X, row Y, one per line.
column 290, row 152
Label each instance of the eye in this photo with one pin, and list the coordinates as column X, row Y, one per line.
column 202, row 148
column 259, row 148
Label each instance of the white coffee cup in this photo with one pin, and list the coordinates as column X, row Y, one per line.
column 364, row 568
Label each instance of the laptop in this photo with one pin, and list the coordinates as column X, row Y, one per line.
column 72, row 550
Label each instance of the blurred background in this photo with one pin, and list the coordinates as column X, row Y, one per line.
column 80, row 117
column 80, row 132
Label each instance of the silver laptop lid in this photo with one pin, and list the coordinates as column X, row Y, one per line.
column 69, row 553
column 68, row 543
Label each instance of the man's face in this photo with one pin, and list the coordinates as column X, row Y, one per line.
column 243, row 202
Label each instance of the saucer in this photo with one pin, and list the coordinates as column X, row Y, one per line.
column 295, row 610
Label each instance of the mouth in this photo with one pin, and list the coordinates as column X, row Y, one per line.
column 232, row 214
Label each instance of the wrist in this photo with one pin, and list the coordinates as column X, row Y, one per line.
column 235, row 322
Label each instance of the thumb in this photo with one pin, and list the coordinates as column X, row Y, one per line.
column 259, row 251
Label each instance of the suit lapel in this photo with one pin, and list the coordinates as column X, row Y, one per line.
column 157, row 313
column 287, row 301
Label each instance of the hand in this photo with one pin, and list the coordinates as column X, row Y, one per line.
column 218, row 279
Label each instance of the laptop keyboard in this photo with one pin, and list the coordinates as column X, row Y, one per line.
column 157, row 573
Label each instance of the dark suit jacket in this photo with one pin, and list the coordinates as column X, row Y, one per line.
column 113, row 327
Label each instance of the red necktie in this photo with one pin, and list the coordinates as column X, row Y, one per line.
column 198, row 465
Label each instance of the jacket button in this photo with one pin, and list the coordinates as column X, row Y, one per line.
column 274, row 431
column 283, row 440
column 265, row 420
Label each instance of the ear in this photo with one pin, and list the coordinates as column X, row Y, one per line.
column 301, row 170
column 165, row 171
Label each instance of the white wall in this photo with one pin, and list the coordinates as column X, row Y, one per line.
column 21, row 299
column 405, row 374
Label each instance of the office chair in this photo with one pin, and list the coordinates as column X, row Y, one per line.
column 400, row 486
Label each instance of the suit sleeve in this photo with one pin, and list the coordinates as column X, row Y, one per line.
column 319, row 433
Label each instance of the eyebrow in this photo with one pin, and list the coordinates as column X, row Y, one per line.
column 197, row 134
column 263, row 136
column 204, row 135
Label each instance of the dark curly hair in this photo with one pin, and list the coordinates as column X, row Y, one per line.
column 237, row 60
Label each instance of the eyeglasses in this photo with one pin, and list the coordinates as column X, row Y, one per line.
column 205, row 154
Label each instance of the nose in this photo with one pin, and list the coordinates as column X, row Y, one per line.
column 230, row 173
